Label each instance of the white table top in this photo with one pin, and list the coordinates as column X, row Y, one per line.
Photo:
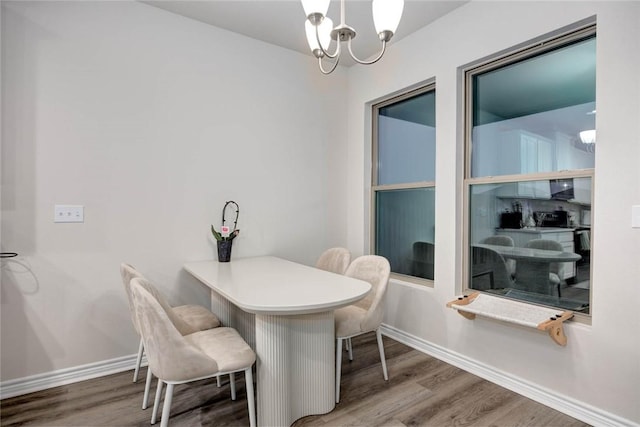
column 270, row 285
column 515, row 252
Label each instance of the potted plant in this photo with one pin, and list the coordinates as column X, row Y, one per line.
column 224, row 238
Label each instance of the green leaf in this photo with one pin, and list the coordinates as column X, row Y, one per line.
column 217, row 235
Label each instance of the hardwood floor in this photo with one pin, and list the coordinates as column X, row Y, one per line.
column 421, row 391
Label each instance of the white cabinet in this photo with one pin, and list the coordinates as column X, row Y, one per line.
column 564, row 237
column 523, row 152
column 525, row 189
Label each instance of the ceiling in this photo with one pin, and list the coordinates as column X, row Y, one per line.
column 551, row 91
column 549, row 83
column 281, row 22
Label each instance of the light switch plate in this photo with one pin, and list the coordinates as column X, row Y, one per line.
column 68, row 213
column 635, row 216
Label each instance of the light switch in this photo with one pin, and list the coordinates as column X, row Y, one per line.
column 68, row 213
column 635, row 216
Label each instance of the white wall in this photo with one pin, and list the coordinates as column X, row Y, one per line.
column 600, row 366
column 151, row 121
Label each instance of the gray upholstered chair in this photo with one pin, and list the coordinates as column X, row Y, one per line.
column 498, row 241
column 335, row 260
column 489, row 270
column 503, row 241
column 177, row 358
column 555, row 268
column 422, row 260
column 187, row 318
column 365, row 315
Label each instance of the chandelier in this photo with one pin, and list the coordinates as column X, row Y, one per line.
column 320, row 30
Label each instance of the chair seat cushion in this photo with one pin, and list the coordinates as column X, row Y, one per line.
column 196, row 316
column 349, row 321
column 225, row 346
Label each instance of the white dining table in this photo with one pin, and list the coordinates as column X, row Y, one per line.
column 284, row 310
column 538, row 255
column 533, row 265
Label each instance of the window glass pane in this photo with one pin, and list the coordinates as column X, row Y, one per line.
column 405, row 229
column 530, row 248
column 406, row 140
column 528, row 116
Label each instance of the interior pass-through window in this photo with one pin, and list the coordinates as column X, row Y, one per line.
column 403, row 187
column 530, row 142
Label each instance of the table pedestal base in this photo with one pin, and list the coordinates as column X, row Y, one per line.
column 295, row 367
column 296, row 375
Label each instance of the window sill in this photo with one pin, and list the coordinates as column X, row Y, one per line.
column 410, row 281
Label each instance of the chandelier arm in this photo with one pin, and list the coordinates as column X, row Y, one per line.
column 359, row 61
column 333, row 67
column 326, row 53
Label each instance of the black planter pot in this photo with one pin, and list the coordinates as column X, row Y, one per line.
column 224, row 250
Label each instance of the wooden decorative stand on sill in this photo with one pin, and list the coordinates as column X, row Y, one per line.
column 542, row 318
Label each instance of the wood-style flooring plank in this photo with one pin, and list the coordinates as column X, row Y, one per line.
column 421, row 391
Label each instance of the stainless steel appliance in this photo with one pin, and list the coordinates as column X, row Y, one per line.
column 551, row 219
column 511, row 220
column 562, row 189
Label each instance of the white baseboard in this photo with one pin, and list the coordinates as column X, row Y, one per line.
column 19, row 386
column 565, row 404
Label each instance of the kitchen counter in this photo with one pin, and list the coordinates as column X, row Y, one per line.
column 537, row 230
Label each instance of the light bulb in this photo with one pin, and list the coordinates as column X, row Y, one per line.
column 312, row 7
column 588, row 136
column 324, row 33
column 387, row 14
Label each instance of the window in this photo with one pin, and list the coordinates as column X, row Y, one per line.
column 403, row 187
column 530, row 138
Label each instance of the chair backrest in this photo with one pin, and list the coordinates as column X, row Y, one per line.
column 549, row 245
column 488, row 267
column 375, row 270
column 128, row 273
column 422, row 260
column 335, row 260
column 498, row 241
column 503, row 241
column 171, row 357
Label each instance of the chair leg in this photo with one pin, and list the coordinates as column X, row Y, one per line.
column 166, row 408
column 381, row 350
column 147, row 387
column 219, row 381
column 338, row 368
column 248, row 379
column 232, row 383
column 138, row 361
column 156, row 402
column 350, row 348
